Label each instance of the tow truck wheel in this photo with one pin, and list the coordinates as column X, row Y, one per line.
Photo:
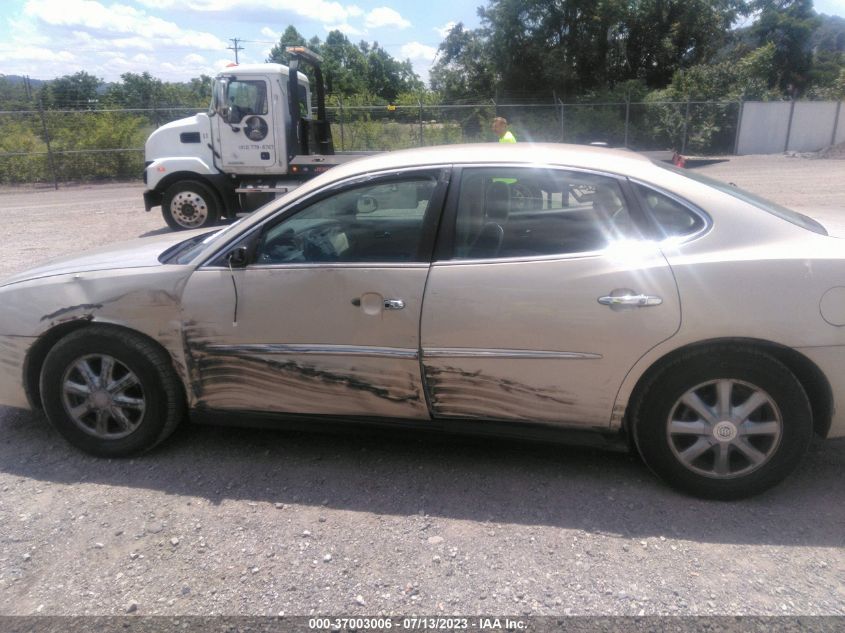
column 188, row 204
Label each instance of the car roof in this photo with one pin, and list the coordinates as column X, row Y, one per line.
column 618, row 161
column 583, row 156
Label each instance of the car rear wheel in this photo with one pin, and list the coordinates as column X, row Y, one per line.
column 723, row 422
column 110, row 392
column 189, row 204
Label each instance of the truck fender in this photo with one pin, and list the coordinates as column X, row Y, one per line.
column 159, row 170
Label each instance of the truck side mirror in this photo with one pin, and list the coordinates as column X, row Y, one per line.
column 221, row 106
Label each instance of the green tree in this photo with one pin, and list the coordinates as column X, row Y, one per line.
column 386, row 76
column 464, row 69
column 137, row 91
column 788, row 25
column 534, row 47
column 344, row 65
column 74, row 92
column 291, row 37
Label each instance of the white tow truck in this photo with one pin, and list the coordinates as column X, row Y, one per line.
column 258, row 140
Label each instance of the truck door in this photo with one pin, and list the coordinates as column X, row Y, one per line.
column 246, row 139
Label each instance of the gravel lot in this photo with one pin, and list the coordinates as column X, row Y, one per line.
column 223, row 521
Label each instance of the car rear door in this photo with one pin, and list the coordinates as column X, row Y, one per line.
column 325, row 318
column 542, row 296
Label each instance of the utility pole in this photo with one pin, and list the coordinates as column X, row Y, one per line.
column 235, row 48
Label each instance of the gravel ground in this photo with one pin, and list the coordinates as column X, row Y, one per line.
column 223, row 521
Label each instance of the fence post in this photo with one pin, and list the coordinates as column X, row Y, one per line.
column 835, row 123
column 686, row 124
column 340, row 107
column 627, row 116
column 740, row 110
column 47, row 140
column 421, row 122
column 789, row 124
column 561, row 120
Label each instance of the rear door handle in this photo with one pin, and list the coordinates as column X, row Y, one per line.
column 393, row 304
column 643, row 301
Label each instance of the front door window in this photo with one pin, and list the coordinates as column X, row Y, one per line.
column 369, row 223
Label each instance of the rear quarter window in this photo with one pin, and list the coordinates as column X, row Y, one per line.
column 668, row 216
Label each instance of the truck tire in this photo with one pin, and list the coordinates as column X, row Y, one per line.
column 189, row 204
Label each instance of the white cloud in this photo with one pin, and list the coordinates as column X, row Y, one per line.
column 193, row 58
column 385, row 16
column 319, row 10
column 345, row 28
column 117, row 19
column 124, row 42
column 268, row 32
column 443, row 31
column 415, row 50
column 34, row 53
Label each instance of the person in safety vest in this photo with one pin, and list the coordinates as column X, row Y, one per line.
column 500, row 127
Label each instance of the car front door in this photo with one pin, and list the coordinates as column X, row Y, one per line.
column 542, row 296
column 325, row 318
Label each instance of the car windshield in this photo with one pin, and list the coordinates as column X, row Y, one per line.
column 186, row 251
column 799, row 219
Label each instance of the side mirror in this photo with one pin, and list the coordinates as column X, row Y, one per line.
column 220, row 105
column 237, row 258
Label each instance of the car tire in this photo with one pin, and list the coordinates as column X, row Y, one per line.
column 111, row 392
column 189, row 204
column 723, row 422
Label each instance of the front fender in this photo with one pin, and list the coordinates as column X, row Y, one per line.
column 161, row 168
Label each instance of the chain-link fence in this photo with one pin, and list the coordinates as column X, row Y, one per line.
column 75, row 145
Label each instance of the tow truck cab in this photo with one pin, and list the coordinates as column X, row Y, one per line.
column 257, row 140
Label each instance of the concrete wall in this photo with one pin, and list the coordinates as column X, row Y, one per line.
column 775, row 126
column 812, row 125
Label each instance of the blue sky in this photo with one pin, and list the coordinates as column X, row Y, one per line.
column 179, row 39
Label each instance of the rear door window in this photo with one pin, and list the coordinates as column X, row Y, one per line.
column 523, row 212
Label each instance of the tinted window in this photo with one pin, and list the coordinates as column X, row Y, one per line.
column 670, row 217
column 372, row 223
column 768, row 206
column 517, row 212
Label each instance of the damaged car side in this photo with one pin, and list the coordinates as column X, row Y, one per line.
column 544, row 291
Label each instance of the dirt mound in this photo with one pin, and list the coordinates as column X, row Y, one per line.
column 833, row 151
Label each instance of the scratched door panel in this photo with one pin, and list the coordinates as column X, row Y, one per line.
column 305, row 342
column 528, row 340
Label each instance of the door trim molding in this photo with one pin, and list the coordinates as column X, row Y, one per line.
column 469, row 352
column 316, row 350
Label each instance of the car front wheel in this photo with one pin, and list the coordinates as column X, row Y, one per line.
column 723, row 423
column 110, row 392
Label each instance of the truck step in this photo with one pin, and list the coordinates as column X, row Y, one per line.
column 267, row 188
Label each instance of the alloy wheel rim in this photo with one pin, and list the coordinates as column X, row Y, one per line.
column 103, row 396
column 189, row 209
column 724, row 428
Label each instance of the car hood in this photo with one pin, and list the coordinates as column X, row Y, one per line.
column 137, row 253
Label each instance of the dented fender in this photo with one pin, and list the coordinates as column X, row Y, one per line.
column 143, row 299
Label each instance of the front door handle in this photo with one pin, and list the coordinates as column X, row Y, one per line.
column 636, row 300
column 393, row 304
